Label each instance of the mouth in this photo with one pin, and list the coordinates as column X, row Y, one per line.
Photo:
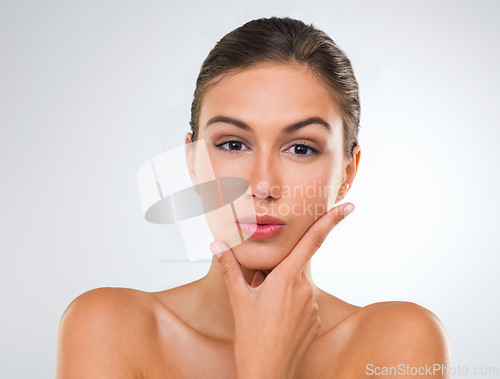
column 261, row 226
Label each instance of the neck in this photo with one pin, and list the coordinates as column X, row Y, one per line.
column 214, row 304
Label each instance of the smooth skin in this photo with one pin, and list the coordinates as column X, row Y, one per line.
column 257, row 313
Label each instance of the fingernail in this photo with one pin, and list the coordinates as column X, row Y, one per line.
column 348, row 210
column 217, row 249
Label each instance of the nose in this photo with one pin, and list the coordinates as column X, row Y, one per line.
column 264, row 177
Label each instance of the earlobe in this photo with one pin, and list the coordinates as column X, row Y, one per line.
column 344, row 188
column 349, row 173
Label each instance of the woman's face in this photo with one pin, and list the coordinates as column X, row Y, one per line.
column 253, row 125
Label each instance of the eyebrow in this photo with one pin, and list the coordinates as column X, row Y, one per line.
column 288, row 129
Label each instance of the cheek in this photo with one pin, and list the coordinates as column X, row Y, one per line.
column 225, row 164
column 314, row 188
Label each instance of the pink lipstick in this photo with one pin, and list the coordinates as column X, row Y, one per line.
column 260, row 226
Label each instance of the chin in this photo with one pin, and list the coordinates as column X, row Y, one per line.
column 255, row 257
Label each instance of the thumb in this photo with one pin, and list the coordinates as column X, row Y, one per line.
column 230, row 268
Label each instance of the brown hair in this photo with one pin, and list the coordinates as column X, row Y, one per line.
column 284, row 40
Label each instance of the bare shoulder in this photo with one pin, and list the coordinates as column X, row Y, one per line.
column 100, row 331
column 401, row 323
column 400, row 334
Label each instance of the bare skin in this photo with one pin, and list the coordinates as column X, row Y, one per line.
column 257, row 313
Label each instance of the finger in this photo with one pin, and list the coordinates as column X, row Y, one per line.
column 230, row 269
column 314, row 237
column 258, row 278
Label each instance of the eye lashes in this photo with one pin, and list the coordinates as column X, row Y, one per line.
column 302, row 144
column 309, row 147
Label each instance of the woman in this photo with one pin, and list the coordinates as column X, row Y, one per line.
column 276, row 103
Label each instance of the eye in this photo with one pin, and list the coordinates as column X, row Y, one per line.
column 232, row 145
column 302, row 149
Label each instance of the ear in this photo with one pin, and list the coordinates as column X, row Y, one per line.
column 189, row 152
column 349, row 173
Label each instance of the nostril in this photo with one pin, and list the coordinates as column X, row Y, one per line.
column 263, row 190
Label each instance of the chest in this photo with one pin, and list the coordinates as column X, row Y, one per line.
column 194, row 356
column 188, row 356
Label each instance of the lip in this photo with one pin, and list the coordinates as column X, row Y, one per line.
column 261, row 226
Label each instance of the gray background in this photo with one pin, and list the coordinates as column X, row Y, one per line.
column 89, row 91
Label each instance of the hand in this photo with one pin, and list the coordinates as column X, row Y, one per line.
column 276, row 318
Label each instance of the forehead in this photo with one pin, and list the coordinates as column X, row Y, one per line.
column 270, row 93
